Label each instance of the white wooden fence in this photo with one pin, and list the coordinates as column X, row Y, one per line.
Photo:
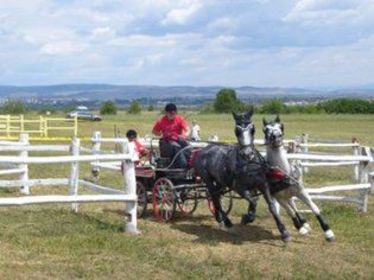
column 302, row 144
column 359, row 159
column 364, row 184
column 18, row 164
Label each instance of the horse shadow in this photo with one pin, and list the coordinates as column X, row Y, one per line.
column 215, row 234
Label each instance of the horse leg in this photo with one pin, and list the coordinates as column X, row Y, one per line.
column 281, row 227
column 252, row 205
column 304, row 196
column 300, row 220
column 219, row 214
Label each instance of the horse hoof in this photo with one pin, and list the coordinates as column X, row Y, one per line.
column 286, row 237
column 305, row 229
column 247, row 219
column 307, row 226
column 329, row 235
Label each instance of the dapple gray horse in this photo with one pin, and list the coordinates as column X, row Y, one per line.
column 276, row 156
column 240, row 168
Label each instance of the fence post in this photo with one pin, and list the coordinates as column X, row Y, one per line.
column 22, row 123
column 297, row 164
column 76, row 126
column 25, row 188
column 356, row 152
column 74, row 174
column 363, row 178
column 41, row 126
column 8, row 126
column 371, row 175
column 128, row 172
column 96, row 146
column 45, row 132
column 305, row 149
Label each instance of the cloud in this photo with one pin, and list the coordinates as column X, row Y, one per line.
column 170, row 42
column 103, row 33
column 62, row 48
column 181, row 15
column 322, row 12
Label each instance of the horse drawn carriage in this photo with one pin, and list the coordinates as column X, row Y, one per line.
column 170, row 189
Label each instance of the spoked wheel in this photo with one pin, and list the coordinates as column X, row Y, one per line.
column 226, row 202
column 142, row 199
column 187, row 200
column 163, row 199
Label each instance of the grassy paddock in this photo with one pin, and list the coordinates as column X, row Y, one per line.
column 44, row 242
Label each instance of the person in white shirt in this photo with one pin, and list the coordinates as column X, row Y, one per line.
column 195, row 131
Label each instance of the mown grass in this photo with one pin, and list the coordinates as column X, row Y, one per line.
column 50, row 242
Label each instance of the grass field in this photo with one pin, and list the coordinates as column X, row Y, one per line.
column 50, row 242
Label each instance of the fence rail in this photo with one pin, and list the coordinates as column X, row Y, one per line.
column 21, row 163
column 12, row 126
column 359, row 158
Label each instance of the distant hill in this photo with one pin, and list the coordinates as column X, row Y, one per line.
column 110, row 92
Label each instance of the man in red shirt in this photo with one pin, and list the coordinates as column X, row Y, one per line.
column 173, row 129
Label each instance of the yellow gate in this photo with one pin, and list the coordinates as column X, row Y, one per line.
column 43, row 128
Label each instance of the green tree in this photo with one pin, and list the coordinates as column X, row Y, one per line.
column 134, row 108
column 13, row 107
column 108, row 108
column 273, row 106
column 347, row 106
column 151, row 108
column 226, row 101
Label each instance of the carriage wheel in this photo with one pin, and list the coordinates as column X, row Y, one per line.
column 187, row 201
column 226, row 202
column 163, row 199
column 142, row 199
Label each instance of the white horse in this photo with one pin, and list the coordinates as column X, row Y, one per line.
column 276, row 156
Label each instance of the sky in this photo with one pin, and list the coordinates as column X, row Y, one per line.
column 285, row 43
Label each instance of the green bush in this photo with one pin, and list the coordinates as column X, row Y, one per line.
column 348, row 106
column 134, row 108
column 13, row 107
column 273, row 106
column 108, row 108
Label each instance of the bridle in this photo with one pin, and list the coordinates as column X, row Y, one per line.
column 274, row 135
column 240, row 133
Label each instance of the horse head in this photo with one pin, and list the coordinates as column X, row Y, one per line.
column 274, row 132
column 244, row 131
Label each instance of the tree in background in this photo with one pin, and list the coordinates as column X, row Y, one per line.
column 14, row 107
column 108, row 108
column 273, row 106
column 348, row 106
column 134, row 108
column 226, row 101
column 151, row 108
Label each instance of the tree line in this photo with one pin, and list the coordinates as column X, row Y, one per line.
column 226, row 101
